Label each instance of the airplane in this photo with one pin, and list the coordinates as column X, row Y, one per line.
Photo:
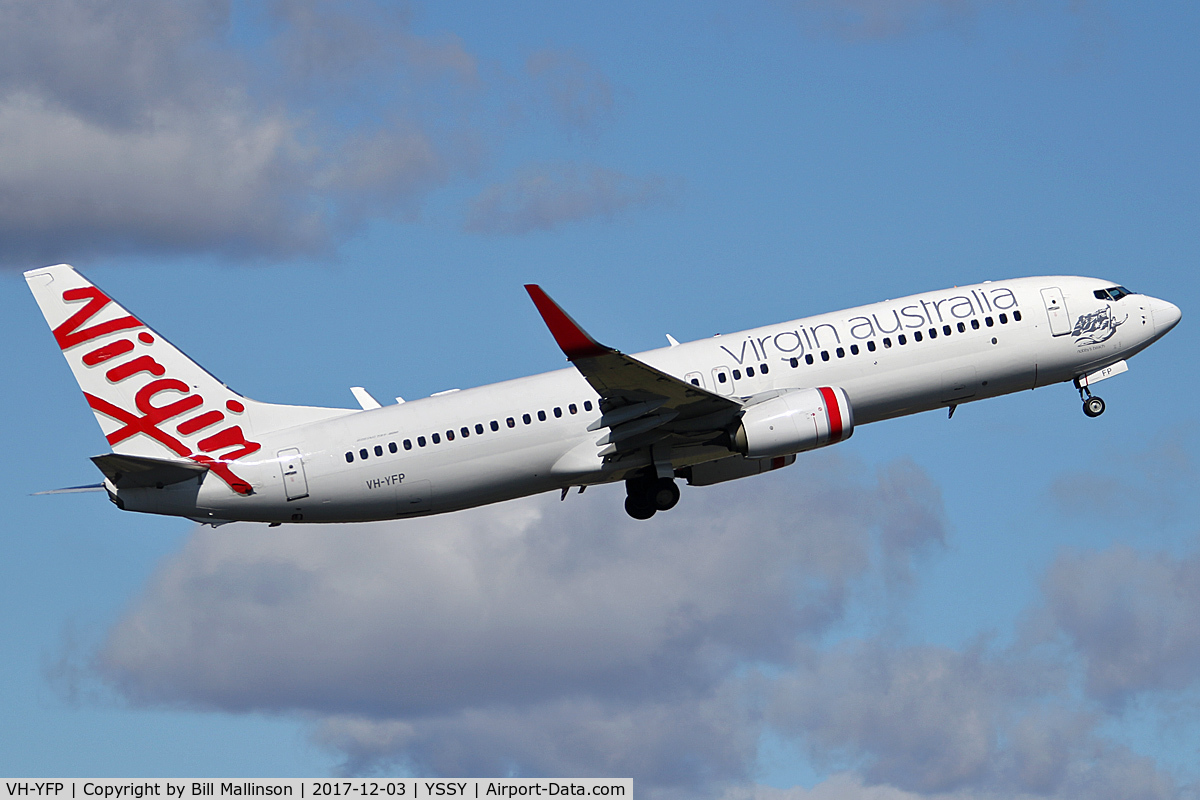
column 703, row 412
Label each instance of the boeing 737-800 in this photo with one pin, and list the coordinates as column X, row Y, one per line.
column 708, row 411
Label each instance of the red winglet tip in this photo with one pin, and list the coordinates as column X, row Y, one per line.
column 573, row 339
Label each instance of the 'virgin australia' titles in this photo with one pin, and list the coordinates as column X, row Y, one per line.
column 801, row 340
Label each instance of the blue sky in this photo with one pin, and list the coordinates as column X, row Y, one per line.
column 308, row 196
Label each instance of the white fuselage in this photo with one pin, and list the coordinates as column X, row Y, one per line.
column 892, row 358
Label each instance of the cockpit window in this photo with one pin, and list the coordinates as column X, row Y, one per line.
column 1112, row 293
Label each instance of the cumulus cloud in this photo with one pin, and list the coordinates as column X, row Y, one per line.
column 543, row 197
column 148, row 126
column 134, row 126
column 562, row 638
column 933, row 721
column 925, row 716
column 1134, row 618
column 113, row 62
column 183, row 181
column 341, row 43
column 541, row 637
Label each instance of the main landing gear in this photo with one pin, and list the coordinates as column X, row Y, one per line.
column 647, row 494
column 1092, row 406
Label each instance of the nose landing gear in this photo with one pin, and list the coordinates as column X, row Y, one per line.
column 646, row 495
column 1092, row 406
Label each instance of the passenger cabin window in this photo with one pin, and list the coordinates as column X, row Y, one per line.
column 737, row 374
column 990, row 322
column 587, row 405
column 494, row 425
column 962, row 328
column 1016, row 316
column 853, row 349
column 933, row 333
column 974, row 324
column 420, row 441
column 436, row 439
column 512, row 423
column 916, row 336
column 450, row 436
column 871, row 345
column 901, row 339
column 408, row 444
column 945, row 330
column 720, row 377
column 808, row 359
column 541, row 416
column 378, row 449
column 575, row 409
column 887, row 342
column 392, row 447
column 349, row 458
column 795, row 362
column 824, row 355
column 749, row 372
column 1004, row 319
column 763, row 369
column 479, row 427
column 363, row 454
column 465, row 432
column 526, row 419
column 557, row 411
column 841, row 352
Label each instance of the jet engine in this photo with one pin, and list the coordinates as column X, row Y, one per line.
column 793, row 421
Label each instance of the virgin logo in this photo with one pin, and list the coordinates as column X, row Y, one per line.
column 154, row 413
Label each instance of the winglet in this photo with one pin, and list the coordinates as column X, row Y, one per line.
column 573, row 340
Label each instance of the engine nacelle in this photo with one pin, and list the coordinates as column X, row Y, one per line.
column 794, row 421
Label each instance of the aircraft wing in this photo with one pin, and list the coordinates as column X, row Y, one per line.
column 641, row 405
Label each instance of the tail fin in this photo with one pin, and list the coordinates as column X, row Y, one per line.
column 150, row 399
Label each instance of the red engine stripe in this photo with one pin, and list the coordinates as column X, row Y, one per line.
column 834, row 411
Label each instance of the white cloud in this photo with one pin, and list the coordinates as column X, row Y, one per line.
column 937, row 722
column 541, row 637
column 561, row 638
column 144, row 126
column 543, row 197
column 217, row 179
column 1133, row 617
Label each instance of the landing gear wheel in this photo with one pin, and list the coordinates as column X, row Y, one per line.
column 1093, row 406
column 638, row 509
column 665, row 494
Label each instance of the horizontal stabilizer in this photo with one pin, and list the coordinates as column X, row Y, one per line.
column 91, row 487
column 142, row 472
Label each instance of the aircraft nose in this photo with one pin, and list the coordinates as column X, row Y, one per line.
column 1166, row 316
